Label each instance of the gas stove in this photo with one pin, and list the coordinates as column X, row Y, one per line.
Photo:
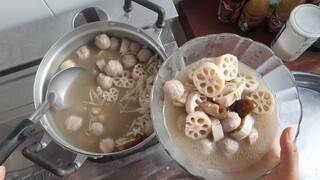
column 21, row 50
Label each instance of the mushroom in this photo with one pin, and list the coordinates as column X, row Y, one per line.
column 106, row 145
column 101, row 64
column 67, row 64
column 243, row 107
column 229, row 65
column 73, row 123
column 144, row 55
column 105, row 82
column 229, row 147
column 83, row 52
column 114, row 43
column 96, row 128
column 208, row 79
column 173, row 89
column 252, row 137
column 128, row 60
column 214, row 110
column 181, row 101
column 198, row 125
column 194, row 98
column 263, row 100
column 102, row 41
column 113, row 68
column 138, row 71
column 134, row 47
column 124, row 48
column 244, row 129
column 148, row 128
column 124, row 80
column 111, row 95
column 231, row 123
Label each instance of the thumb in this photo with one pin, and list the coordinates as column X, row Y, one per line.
column 2, row 172
column 288, row 168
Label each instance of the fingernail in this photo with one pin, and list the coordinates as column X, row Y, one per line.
column 290, row 135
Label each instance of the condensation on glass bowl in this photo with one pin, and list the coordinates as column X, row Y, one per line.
column 255, row 55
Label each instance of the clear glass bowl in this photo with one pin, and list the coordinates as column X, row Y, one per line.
column 255, row 55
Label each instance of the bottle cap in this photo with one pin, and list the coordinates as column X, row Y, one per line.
column 305, row 20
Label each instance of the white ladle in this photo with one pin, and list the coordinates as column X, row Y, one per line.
column 55, row 96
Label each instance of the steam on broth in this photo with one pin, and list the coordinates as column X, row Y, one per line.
column 220, row 139
column 109, row 111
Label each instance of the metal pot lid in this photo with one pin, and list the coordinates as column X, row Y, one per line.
column 308, row 141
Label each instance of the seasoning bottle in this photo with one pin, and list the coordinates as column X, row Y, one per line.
column 229, row 10
column 272, row 6
column 282, row 13
column 254, row 12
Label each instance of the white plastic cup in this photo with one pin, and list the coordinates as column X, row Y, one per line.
column 299, row 33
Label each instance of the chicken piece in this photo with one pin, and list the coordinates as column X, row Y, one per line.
column 114, row 43
column 129, row 60
column 144, row 55
column 106, row 145
column 231, row 93
column 67, row 64
column 243, row 107
column 102, row 41
column 73, row 123
column 252, row 137
column 230, row 147
column 134, row 47
column 173, row 89
column 113, row 68
column 231, row 123
column 124, row 48
column 96, row 129
column 105, row 82
column 244, row 129
column 83, row 52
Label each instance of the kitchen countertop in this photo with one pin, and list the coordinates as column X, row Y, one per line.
column 199, row 18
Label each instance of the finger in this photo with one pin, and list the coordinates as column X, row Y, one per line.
column 289, row 159
column 2, row 172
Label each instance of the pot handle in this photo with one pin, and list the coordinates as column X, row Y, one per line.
column 21, row 132
column 127, row 7
column 32, row 153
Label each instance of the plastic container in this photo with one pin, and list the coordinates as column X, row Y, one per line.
column 299, row 33
column 254, row 12
column 282, row 13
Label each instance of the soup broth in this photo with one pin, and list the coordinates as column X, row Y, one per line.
column 266, row 125
column 123, row 121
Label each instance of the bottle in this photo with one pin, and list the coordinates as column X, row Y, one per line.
column 229, row 10
column 282, row 13
column 254, row 12
column 316, row 2
column 272, row 6
column 315, row 46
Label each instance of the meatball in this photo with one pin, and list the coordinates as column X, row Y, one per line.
column 105, row 82
column 102, row 41
column 144, row 55
column 106, row 145
column 83, row 52
column 134, row 47
column 129, row 61
column 113, row 68
column 96, row 129
column 174, row 89
column 73, row 123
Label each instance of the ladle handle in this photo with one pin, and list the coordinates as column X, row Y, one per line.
column 127, row 7
column 24, row 129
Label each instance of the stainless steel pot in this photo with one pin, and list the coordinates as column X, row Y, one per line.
column 50, row 66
